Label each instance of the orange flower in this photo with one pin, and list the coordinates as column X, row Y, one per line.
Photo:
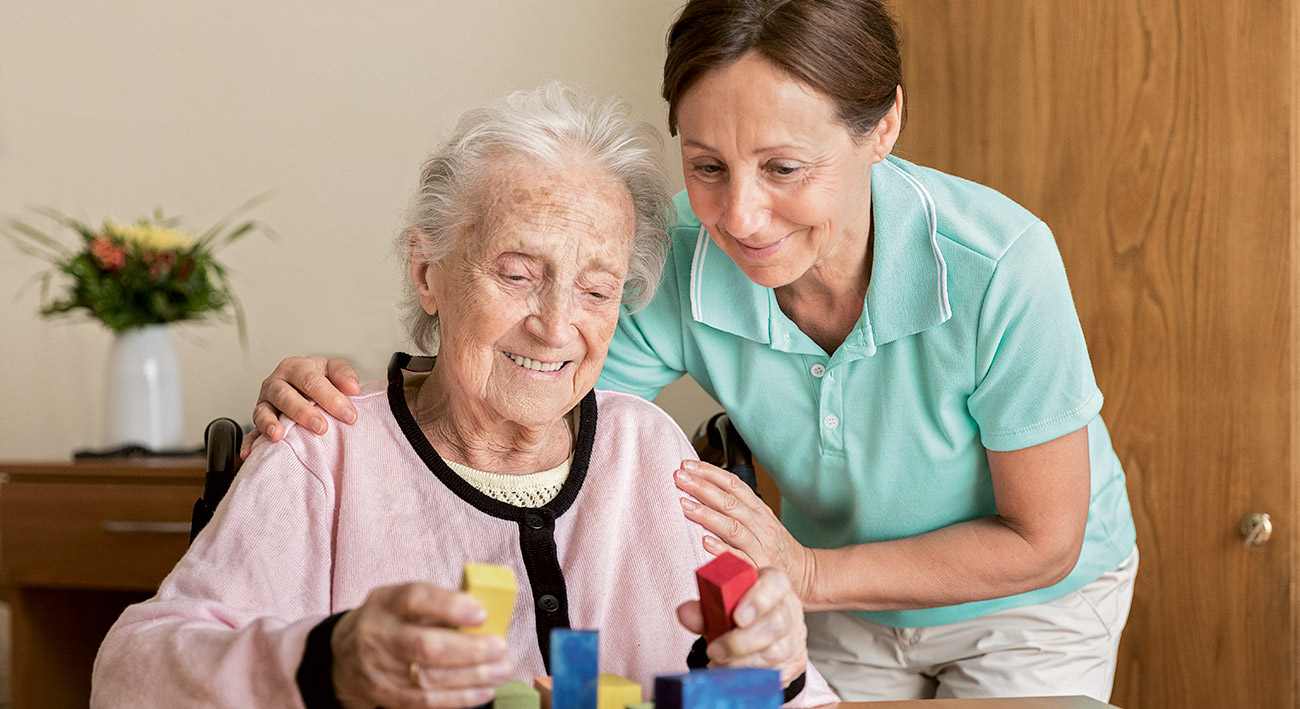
column 109, row 256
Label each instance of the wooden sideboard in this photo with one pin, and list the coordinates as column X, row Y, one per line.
column 78, row 543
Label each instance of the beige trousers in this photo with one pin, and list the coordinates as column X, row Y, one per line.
column 1063, row 647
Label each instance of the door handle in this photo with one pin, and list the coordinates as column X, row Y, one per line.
column 1256, row 528
column 124, row 527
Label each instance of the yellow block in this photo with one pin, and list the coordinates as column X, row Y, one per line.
column 614, row 692
column 494, row 587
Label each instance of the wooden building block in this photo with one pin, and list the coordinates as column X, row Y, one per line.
column 614, row 692
column 725, row 688
column 574, row 668
column 516, row 694
column 543, row 687
column 642, row 705
column 722, row 583
column 494, row 587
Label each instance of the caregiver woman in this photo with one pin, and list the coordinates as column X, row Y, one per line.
column 900, row 349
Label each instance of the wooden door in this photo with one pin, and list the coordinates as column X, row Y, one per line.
column 1158, row 139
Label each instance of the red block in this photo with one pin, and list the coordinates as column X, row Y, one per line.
column 722, row 582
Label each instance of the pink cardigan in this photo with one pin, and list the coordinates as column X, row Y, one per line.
column 313, row 523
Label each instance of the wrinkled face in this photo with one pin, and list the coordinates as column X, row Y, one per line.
column 777, row 179
column 529, row 299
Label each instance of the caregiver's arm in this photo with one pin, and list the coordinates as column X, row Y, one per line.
column 1032, row 542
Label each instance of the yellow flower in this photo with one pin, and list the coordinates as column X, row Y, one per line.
column 150, row 237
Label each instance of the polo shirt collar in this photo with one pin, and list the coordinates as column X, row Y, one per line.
column 908, row 292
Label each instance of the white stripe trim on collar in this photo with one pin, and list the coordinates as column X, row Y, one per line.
column 932, row 221
column 697, row 283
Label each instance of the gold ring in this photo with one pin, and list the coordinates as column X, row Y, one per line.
column 413, row 674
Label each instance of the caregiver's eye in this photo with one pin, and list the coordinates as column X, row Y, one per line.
column 708, row 170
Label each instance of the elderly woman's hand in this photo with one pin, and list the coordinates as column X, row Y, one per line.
column 745, row 525
column 291, row 389
column 769, row 632
column 400, row 649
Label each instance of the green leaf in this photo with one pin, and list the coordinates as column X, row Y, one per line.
column 24, row 229
column 219, row 228
column 62, row 219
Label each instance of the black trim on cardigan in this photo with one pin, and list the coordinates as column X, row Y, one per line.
column 536, row 524
column 315, row 673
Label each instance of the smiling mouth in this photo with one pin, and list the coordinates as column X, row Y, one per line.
column 534, row 364
column 761, row 250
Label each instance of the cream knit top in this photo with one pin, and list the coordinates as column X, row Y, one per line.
column 530, row 490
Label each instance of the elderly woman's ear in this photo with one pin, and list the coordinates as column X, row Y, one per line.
column 420, row 268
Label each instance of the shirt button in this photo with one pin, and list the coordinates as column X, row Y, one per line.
column 832, row 421
column 534, row 521
column 548, row 603
column 818, row 370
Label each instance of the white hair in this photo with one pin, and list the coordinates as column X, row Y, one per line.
column 551, row 125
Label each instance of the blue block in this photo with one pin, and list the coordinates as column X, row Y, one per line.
column 575, row 668
column 723, row 688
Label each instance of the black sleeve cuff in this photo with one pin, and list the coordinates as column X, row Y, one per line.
column 698, row 659
column 315, row 672
column 793, row 689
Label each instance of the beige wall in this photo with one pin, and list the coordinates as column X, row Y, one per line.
column 111, row 109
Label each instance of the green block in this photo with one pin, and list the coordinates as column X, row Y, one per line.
column 642, row 705
column 516, row 694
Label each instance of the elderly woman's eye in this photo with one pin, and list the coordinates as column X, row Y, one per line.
column 783, row 169
column 708, row 169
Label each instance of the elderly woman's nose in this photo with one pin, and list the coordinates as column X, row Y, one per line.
column 745, row 212
column 552, row 320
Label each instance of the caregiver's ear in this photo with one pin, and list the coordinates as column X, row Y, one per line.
column 883, row 137
column 420, row 271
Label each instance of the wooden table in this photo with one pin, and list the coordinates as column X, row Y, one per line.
column 78, row 543
column 1020, row 703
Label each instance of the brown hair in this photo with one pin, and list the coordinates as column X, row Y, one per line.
column 845, row 49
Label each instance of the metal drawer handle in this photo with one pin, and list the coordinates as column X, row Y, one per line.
column 122, row 527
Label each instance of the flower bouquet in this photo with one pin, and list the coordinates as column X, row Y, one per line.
column 143, row 273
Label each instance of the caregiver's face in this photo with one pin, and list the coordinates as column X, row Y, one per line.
column 529, row 300
column 774, row 175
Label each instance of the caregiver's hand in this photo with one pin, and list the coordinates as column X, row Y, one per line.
column 400, row 649
column 743, row 523
column 291, row 389
column 769, row 632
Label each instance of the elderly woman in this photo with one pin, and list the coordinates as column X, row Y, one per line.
column 900, row 349
column 326, row 576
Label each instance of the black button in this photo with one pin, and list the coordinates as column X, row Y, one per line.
column 548, row 603
column 534, row 520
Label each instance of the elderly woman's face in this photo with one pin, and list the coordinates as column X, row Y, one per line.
column 772, row 172
column 529, row 299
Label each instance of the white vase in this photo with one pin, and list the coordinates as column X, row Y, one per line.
column 143, row 404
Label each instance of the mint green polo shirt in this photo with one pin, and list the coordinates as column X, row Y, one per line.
column 968, row 341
